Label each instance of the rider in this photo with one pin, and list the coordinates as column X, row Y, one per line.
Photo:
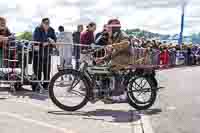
column 118, row 46
column 117, row 52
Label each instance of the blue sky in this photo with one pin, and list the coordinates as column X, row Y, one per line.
column 161, row 16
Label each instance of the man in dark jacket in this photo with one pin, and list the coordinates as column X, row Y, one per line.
column 42, row 59
column 76, row 40
column 101, row 38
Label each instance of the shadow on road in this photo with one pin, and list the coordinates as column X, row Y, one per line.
column 2, row 98
column 4, row 93
column 32, row 95
column 119, row 116
column 26, row 93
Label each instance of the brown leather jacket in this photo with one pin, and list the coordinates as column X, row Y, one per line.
column 120, row 57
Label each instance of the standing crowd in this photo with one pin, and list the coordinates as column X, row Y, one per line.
column 120, row 48
column 169, row 55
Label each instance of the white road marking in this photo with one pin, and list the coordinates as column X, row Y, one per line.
column 147, row 128
column 40, row 123
column 171, row 108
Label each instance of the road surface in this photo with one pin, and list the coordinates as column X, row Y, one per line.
column 175, row 111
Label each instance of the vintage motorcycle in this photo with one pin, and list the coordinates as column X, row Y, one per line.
column 93, row 83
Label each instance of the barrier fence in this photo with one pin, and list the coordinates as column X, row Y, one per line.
column 28, row 62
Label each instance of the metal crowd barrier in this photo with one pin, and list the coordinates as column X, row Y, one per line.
column 35, row 63
column 28, row 62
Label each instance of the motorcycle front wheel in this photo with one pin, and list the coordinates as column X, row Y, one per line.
column 141, row 92
column 68, row 90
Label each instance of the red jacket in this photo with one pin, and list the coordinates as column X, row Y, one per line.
column 87, row 37
column 164, row 57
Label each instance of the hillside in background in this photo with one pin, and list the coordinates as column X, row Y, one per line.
column 146, row 34
column 195, row 38
column 26, row 35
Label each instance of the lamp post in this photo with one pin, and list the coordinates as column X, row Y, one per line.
column 180, row 40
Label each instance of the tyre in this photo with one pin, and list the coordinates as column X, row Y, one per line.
column 137, row 88
column 69, row 82
column 153, row 79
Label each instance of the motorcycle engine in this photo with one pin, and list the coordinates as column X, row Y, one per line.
column 105, row 85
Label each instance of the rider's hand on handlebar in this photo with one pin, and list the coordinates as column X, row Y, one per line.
column 109, row 49
column 87, row 51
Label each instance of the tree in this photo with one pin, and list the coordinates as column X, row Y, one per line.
column 25, row 36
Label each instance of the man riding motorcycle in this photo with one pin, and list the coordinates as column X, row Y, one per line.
column 118, row 53
column 117, row 47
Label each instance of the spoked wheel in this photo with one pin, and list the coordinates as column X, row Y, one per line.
column 141, row 93
column 68, row 90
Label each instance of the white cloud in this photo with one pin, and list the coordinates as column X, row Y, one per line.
column 162, row 16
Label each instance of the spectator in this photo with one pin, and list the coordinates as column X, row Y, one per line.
column 172, row 55
column 42, row 59
column 76, row 40
column 61, row 29
column 101, row 39
column 99, row 36
column 65, row 49
column 4, row 33
column 197, row 54
column 164, row 57
column 87, row 37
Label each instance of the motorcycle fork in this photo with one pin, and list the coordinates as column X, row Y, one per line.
column 92, row 85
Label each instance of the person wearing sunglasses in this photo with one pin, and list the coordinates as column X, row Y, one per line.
column 42, row 51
